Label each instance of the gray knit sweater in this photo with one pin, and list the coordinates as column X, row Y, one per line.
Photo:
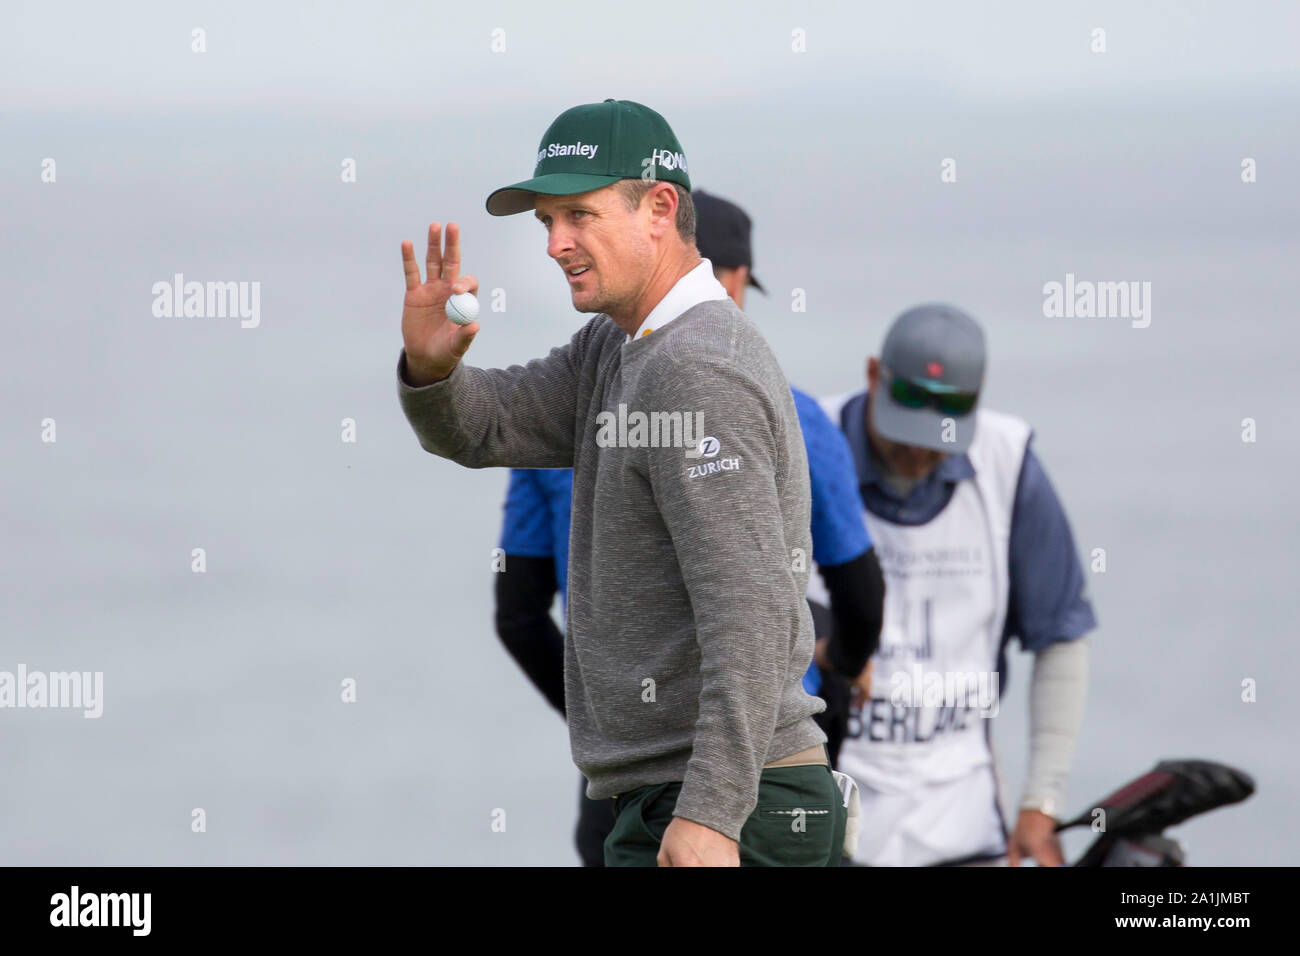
column 687, row 630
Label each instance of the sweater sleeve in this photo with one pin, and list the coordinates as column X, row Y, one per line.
column 522, row 416
column 728, row 534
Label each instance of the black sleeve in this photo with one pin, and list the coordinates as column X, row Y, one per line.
column 857, row 590
column 524, row 592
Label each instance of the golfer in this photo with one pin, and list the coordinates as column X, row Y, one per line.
column 687, row 630
column 976, row 549
column 535, row 542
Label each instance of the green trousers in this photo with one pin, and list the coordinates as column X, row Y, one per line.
column 799, row 821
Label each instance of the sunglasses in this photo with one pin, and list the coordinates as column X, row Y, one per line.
column 946, row 398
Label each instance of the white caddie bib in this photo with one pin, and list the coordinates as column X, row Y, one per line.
column 934, row 681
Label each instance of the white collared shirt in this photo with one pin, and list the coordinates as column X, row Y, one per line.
column 698, row 285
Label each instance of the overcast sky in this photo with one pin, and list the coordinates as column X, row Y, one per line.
column 418, row 58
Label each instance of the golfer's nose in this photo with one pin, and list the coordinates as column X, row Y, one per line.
column 559, row 242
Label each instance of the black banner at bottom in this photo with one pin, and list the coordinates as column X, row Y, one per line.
column 926, row 907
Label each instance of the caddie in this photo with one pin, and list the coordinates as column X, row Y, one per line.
column 976, row 549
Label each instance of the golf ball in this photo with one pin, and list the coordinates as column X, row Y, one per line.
column 462, row 308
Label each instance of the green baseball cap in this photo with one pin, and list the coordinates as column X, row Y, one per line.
column 593, row 145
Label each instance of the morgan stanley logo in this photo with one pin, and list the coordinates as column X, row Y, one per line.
column 1098, row 300
column 210, row 300
column 655, row 430
column 57, row 689
column 102, row 909
column 586, row 150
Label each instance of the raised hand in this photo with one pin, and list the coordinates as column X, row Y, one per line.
column 434, row 344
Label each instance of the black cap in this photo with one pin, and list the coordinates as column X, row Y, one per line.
column 722, row 234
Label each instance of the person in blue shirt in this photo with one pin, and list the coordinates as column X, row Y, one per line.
column 535, row 540
column 976, row 549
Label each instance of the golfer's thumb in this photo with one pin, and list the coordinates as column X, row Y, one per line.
column 463, row 339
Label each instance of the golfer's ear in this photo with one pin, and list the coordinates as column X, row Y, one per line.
column 873, row 372
column 663, row 208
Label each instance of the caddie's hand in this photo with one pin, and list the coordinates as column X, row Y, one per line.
column 863, row 681
column 433, row 342
column 861, row 689
column 687, row 843
column 1035, row 836
column 821, row 653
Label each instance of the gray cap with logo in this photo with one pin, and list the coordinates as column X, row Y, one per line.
column 932, row 369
